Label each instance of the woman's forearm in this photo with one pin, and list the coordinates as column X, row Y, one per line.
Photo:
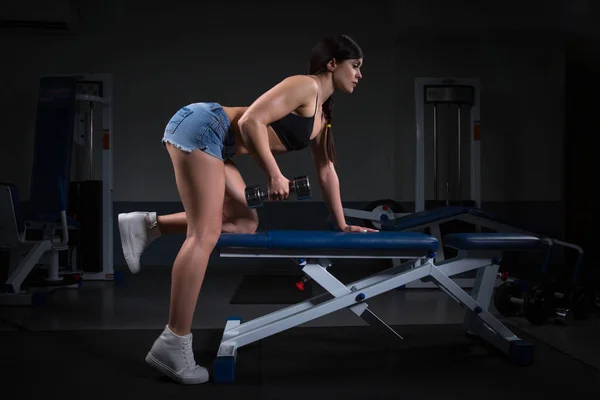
column 330, row 186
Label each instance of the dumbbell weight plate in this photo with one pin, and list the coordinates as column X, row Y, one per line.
column 254, row 196
column 302, row 187
column 502, row 295
column 580, row 300
column 563, row 316
column 538, row 305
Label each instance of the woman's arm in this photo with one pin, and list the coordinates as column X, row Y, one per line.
column 285, row 97
column 330, row 185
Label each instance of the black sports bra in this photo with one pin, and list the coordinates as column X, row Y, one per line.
column 294, row 131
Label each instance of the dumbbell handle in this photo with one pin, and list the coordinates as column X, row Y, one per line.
column 264, row 194
column 562, row 315
column 299, row 185
column 292, row 186
column 516, row 300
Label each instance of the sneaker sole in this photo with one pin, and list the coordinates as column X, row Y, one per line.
column 126, row 243
column 153, row 362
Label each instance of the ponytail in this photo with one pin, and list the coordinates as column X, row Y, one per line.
column 327, row 111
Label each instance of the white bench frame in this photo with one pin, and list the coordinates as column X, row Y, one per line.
column 354, row 296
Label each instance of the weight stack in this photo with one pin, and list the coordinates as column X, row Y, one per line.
column 86, row 208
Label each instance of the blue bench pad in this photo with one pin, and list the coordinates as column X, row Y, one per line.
column 438, row 214
column 309, row 239
column 423, row 218
column 491, row 241
column 478, row 212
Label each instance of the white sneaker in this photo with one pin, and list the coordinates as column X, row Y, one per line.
column 172, row 355
column 137, row 229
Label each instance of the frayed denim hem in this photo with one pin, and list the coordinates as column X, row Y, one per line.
column 188, row 150
column 180, row 147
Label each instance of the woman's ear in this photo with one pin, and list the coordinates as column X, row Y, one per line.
column 331, row 65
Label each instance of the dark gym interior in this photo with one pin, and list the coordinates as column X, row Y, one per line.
column 471, row 124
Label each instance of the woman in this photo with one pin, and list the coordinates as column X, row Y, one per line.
column 294, row 114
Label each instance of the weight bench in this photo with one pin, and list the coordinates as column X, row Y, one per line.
column 313, row 251
column 432, row 219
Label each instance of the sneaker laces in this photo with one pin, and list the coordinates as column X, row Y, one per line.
column 188, row 354
column 152, row 230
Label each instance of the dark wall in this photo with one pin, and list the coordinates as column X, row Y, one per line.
column 582, row 164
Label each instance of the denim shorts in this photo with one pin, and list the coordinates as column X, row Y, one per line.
column 203, row 126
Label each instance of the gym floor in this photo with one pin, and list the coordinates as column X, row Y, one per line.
column 100, row 332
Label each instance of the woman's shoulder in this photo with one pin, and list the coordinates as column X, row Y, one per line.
column 299, row 80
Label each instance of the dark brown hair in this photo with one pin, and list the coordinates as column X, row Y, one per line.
column 340, row 48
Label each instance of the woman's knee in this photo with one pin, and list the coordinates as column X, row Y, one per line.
column 204, row 236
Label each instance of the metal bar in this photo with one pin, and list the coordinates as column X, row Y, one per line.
column 321, row 298
column 459, row 183
column 376, row 322
column 450, row 287
column 435, row 153
column 332, row 285
column 91, row 160
column 279, row 324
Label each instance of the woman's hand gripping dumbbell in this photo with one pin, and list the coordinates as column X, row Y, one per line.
column 255, row 197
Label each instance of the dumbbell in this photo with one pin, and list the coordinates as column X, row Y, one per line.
column 537, row 304
column 542, row 302
column 255, row 196
column 577, row 298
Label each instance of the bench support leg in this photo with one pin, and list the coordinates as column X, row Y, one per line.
column 17, row 277
column 480, row 321
column 339, row 296
column 318, row 272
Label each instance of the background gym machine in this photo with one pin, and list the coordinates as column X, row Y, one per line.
column 447, row 150
column 65, row 229
column 447, row 147
column 90, row 192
